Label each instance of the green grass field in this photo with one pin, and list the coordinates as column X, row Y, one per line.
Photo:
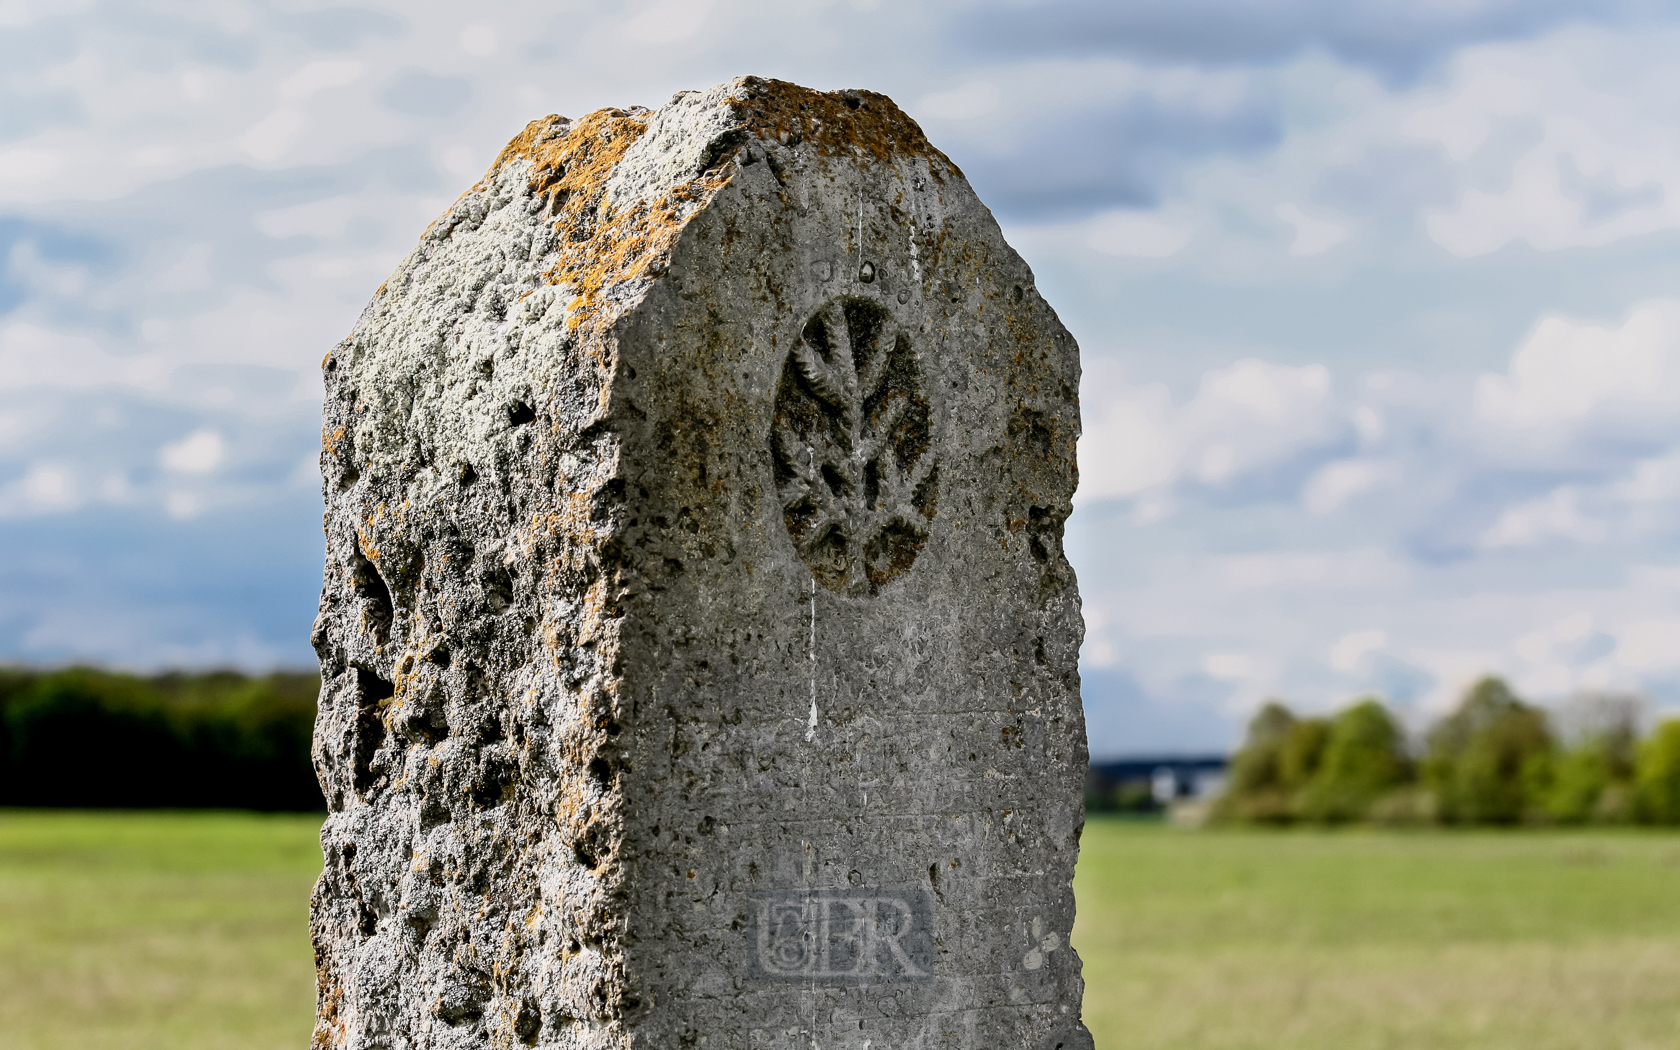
column 1435, row 940
column 189, row 930
column 156, row 930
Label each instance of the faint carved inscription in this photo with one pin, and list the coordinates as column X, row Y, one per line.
column 844, row 936
column 857, row 477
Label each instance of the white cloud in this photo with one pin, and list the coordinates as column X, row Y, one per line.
column 15, row 14
column 271, row 138
column 1312, row 569
column 1335, row 483
column 33, row 356
column 25, row 265
column 191, row 271
column 200, row 452
column 25, row 168
column 1567, row 371
column 1250, row 414
column 1227, row 666
column 974, row 99
column 183, row 506
column 1555, row 516
column 1137, row 234
column 1370, row 423
column 1550, row 646
column 1602, row 162
column 479, row 40
column 1654, row 480
column 320, row 76
column 1352, row 648
column 47, row 488
column 1649, row 645
column 323, row 218
column 668, row 21
column 1312, row 236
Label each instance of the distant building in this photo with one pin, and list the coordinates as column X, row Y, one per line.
column 1150, row 784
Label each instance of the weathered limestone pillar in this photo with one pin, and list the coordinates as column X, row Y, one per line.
column 698, row 650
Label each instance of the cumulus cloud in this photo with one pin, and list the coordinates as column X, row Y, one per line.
column 479, row 40
column 32, row 356
column 1312, row 235
column 1551, row 146
column 1567, row 372
column 1555, row 516
column 1227, row 666
column 1353, row 648
column 1311, row 569
column 1250, row 415
column 46, row 488
column 1339, row 481
column 1124, row 146
column 198, row 453
column 1138, row 234
column 1396, row 39
column 965, row 102
column 1649, row 645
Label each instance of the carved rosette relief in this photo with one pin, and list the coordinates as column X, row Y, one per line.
column 855, row 470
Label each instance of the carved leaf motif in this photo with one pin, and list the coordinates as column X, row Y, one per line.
column 855, row 470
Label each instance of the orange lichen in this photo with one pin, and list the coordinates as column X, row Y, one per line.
column 602, row 245
column 835, row 123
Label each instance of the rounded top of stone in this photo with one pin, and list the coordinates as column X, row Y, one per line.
column 620, row 184
column 834, row 123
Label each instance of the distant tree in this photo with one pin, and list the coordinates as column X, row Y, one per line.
column 84, row 737
column 1572, row 784
column 1254, row 787
column 81, row 737
column 1615, row 720
column 1482, row 759
column 1657, row 776
column 1364, row 757
column 1302, row 752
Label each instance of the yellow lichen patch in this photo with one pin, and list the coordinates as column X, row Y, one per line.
column 835, row 123
column 600, row 245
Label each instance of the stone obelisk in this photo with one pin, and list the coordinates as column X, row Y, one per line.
column 699, row 654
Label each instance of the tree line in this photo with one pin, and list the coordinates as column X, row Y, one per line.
column 1494, row 760
column 85, row 737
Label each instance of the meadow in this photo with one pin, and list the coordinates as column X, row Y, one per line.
column 188, row 930
column 156, row 930
column 1354, row 939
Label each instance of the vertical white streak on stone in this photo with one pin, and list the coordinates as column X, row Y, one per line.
column 811, row 726
column 811, row 650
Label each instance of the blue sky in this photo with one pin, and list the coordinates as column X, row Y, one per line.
column 1379, row 305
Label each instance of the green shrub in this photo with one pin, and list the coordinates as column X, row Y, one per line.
column 1255, row 766
column 83, row 737
column 1572, row 785
column 1253, row 786
column 1364, row 758
column 1404, row 807
column 1321, row 769
column 1484, row 758
column 1301, row 753
column 1657, row 776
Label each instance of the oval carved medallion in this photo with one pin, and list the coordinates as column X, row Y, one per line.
column 851, row 444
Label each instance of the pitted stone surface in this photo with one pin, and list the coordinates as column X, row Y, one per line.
column 699, row 654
